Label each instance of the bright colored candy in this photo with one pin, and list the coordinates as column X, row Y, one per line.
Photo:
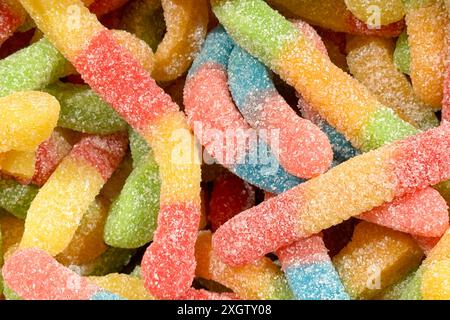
column 82, row 110
column 186, row 23
column 208, row 295
column 413, row 291
column 423, row 213
column 32, row 68
column 48, row 155
column 12, row 16
column 120, row 80
column 114, row 185
column 342, row 148
column 426, row 243
column 26, row 119
column 259, row 280
column 302, row 149
column 370, row 61
column 310, row 272
column 230, row 196
column 16, row 198
column 377, row 12
column 375, row 259
column 426, row 27
column 133, row 215
column 123, row 285
column 19, row 164
column 358, row 185
column 87, row 242
column 46, row 279
column 364, row 121
column 213, row 115
column 436, row 271
column 58, row 208
column 395, row 291
column 333, row 14
column 402, row 55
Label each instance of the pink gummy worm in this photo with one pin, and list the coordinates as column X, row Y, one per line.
column 35, row 275
column 417, row 162
column 423, row 213
column 208, row 102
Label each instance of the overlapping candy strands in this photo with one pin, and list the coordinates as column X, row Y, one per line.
column 46, row 279
column 259, row 280
column 120, row 80
column 306, row 263
column 334, row 15
column 309, row 270
column 358, row 185
column 12, row 16
column 186, row 25
column 377, row 12
column 253, row 162
column 426, row 26
column 303, row 149
column 357, row 114
column 370, row 61
column 375, row 258
column 132, row 218
column 71, row 188
column 87, row 242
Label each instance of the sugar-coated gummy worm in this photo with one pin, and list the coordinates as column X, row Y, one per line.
column 436, row 271
column 377, row 12
column 48, row 155
column 213, row 115
column 133, row 215
column 359, row 185
column 25, row 112
column 87, row 242
column 32, row 68
column 84, row 111
column 15, row 197
column 18, row 164
column 259, row 280
column 345, row 103
column 375, row 258
column 56, row 211
column 334, row 15
column 402, row 54
column 342, row 148
column 111, row 71
column 446, row 98
column 12, row 230
column 426, row 26
column 12, row 16
column 370, row 60
column 186, row 24
column 426, row 243
column 303, row 149
column 46, row 279
column 309, row 271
